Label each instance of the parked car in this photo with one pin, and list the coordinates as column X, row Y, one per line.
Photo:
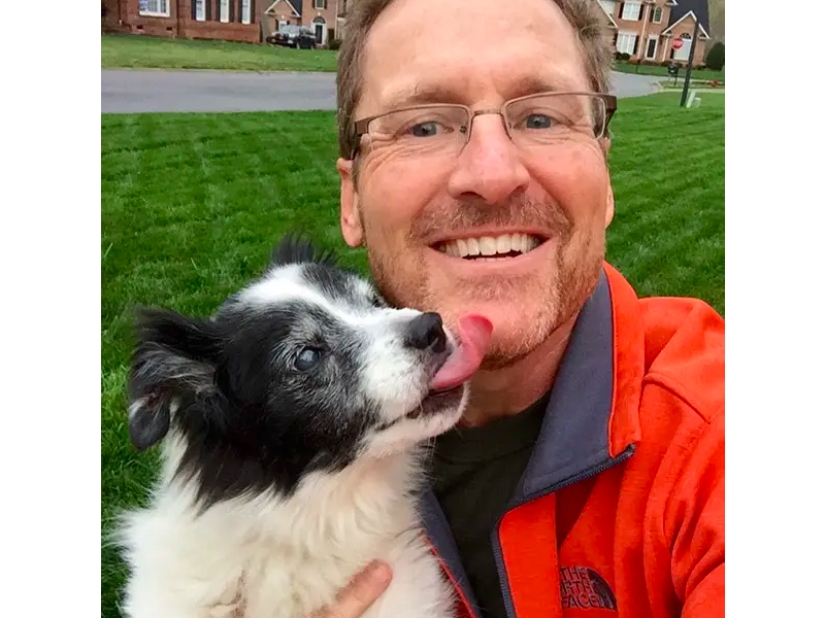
column 293, row 36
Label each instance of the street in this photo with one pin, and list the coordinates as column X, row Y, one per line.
column 154, row 90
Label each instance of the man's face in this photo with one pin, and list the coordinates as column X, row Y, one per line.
column 403, row 209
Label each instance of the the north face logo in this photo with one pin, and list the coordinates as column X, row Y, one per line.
column 583, row 588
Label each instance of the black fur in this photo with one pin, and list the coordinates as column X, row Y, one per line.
column 250, row 419
column 295, row 248
column 173, row 360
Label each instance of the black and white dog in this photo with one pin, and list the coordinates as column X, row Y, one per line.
column 292, row 422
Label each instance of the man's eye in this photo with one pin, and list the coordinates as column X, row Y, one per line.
column 538, row 121
column 308, row 358
column 426, row 129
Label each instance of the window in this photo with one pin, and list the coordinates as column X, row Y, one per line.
column 319, row 4
column 200, row 10
column 246, row 13
column 656, row 15
column 631, row 11
column 225, row 11
column 626, row 43
column 156, row 8
column 652, row 42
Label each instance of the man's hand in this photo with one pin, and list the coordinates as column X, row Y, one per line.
column 364, row 589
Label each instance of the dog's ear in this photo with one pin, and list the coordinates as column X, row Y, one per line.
column 295, row 248
column 174, row 362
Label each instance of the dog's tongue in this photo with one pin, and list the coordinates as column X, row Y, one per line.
column 474, row 331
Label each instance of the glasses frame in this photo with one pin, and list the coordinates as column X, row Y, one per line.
column 610, row 106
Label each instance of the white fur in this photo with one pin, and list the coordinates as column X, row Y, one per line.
column 265, row 557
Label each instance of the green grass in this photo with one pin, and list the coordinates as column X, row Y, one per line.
column 644, row 69
column 146, row 52
column 192, row 203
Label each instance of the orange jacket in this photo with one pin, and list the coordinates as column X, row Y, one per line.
column 621, row 509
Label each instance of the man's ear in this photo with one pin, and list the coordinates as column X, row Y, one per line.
column 351, row 228
column 174, row 361
column 611, row 206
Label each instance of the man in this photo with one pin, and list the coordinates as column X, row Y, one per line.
column 587, row 476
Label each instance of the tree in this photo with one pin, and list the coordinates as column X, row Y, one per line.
column 716, row 57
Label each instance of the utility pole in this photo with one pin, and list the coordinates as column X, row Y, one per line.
column 694, row 43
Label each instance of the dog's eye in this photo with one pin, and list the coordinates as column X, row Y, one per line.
column 307, row 359
column 378, row 302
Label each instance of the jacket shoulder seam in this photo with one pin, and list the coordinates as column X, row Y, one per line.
column 704, row 411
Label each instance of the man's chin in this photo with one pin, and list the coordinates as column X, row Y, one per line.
column 518, row 328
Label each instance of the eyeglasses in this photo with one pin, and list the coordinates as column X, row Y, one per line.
column 536, row 120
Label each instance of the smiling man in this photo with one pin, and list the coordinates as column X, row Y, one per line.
column 587, row 476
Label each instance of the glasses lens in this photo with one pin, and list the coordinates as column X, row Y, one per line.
column 421, row 129
column 556, row 117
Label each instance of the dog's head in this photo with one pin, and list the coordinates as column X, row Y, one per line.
column 305, row 369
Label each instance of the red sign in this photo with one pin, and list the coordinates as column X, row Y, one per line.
column 677, row 44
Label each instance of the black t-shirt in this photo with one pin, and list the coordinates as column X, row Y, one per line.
column 475, row 473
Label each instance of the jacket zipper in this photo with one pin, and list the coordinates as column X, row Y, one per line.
column 586, row 474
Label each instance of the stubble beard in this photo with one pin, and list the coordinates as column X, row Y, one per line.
column 404, row 282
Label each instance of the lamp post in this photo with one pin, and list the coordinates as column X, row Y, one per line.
column 693, row 45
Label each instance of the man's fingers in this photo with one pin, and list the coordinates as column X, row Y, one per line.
column 360, row 593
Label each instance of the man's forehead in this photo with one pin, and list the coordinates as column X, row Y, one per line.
column 488, row 58
column 406, row 91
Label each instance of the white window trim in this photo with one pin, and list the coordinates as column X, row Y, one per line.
column 224, row 11
column 150, row 13
column 316, row 7
column 661, row 14
column 626, row 36
column 625, row 11
column 200, row 15
column 246, row 13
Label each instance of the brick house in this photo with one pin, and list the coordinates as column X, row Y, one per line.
column 325, row 18
column 646, row 29
column 227, row 20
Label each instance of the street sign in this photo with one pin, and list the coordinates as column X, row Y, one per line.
column 677, row 44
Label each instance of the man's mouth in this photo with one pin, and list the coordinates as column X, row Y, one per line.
column 490, row 247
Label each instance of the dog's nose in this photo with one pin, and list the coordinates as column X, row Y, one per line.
column 426, row 331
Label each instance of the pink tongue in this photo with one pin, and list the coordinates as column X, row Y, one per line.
column 475, row 332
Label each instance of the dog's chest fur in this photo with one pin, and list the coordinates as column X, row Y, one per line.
column 266, row 557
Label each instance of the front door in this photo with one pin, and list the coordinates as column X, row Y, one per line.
column 319, row 33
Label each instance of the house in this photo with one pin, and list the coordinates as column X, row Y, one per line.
column 228, row 20
column 326, row 18
column 646, row 29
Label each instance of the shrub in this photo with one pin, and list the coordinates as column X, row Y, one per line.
column 335, row 43
column 716, row 57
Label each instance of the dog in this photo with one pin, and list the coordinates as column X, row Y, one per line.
column 292, row 424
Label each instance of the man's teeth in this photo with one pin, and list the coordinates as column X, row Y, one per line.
column 489, row 245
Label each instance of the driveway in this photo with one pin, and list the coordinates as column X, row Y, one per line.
column 134, row 90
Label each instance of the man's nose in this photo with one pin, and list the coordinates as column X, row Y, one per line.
column 489, row 167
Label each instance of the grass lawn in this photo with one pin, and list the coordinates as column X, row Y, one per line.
column 643, row 69
column 145, row 52
column 192, row 203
